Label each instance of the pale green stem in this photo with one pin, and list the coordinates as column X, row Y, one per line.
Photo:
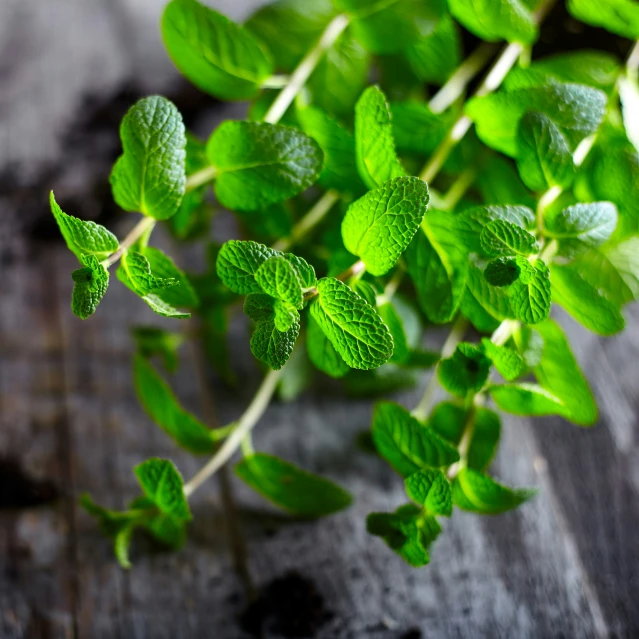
column 306, row 67
column 145, row 225
column 455, row 336
column 309, row 221
column 245, row 424
column 276, row 81
column 200, row 178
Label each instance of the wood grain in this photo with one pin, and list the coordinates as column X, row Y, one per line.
column 564, row 565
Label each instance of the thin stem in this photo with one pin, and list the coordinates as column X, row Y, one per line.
column 245, row 424
column 504, row 332
column 200, row 177
column 457, row 83
column 276, row 81
column 455, row 336
column 143, row 226
column 310, row 220
column 306, row 67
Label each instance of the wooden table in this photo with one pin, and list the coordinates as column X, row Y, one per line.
column 564, row 565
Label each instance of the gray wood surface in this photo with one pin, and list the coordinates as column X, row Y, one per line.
column 564, row 565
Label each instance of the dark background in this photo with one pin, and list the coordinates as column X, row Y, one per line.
column 564, row 565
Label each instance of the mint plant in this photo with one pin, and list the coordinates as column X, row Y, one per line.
column 402, row 211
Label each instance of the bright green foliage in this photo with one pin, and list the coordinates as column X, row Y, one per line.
column 292, row 488
column 530, row 293
column 149, row 177
column 352, row 325
column 389, row 27
column 338, row 145
column 485, row 437
column 612, row 270
column 501, row 272
column 479, row 493
column 237, row 263
column 304, row 270
column 559, row 373
column 259, row 163
column 162, row 266
column 448, row 421
column 288, row 27
column 430, row 488
column 500, row 238
column 374, row 145
column 582, row 226
column 162, row 483
column 151, row 341
column 507, row 361
column 438, row 266
column 526, row 399
column 278, row 278
column 434, row 58
column 509, row 20
column 164, row 409
column 417, row 129
column 493, row 299
column 544, row 159
column 90, row 283
column 379, row 226
column 322, row 352
column 268, row 343
column 407, row 531
column 394, row 323
column 465, row 372
column 584, row 302
column 407, row 445
column 83, row 237
column 217, row 55
column 617, row 16
column 576, row 110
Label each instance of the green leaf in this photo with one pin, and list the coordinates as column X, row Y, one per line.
column 90, row 283
column 617, row 16
column 149, row 176
column 394, row 323
column 375, row 148
column 544, row 159
column 406, row 444
column 501, row 272
column 476, row 314
column 220, row 57
column 237, row 263
column 465, row 372
column 138, row 272
column 163, row 408
column 289, row 27
column 430, row 488
column 612, row 270
column 507, row 361
column 151, row 341
column 304, row 270
column 501, row 239
column 526, row 399
column 438, row 266
column 435, row 57
column 448, row 421
column 340, row 76
column 278, row 278
column 162, row 266
column 584, row 302
column 259, row 163
column 388, row 27
column 581, row 226
column 530, row 294
column 407, row 531
column 417, row 129
column 352, row 325
column 366, row 290
column 338, row 145
column 576, row 110
column 559, row 373
column 292, row 488
column 83, row 237
column 484, row 440
column 380, row 225
column 510, row 20
column 494, row 300
column 500, row 183
column 322, row 353
column 162, row 483
column 479, row 493
column 268, row 343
